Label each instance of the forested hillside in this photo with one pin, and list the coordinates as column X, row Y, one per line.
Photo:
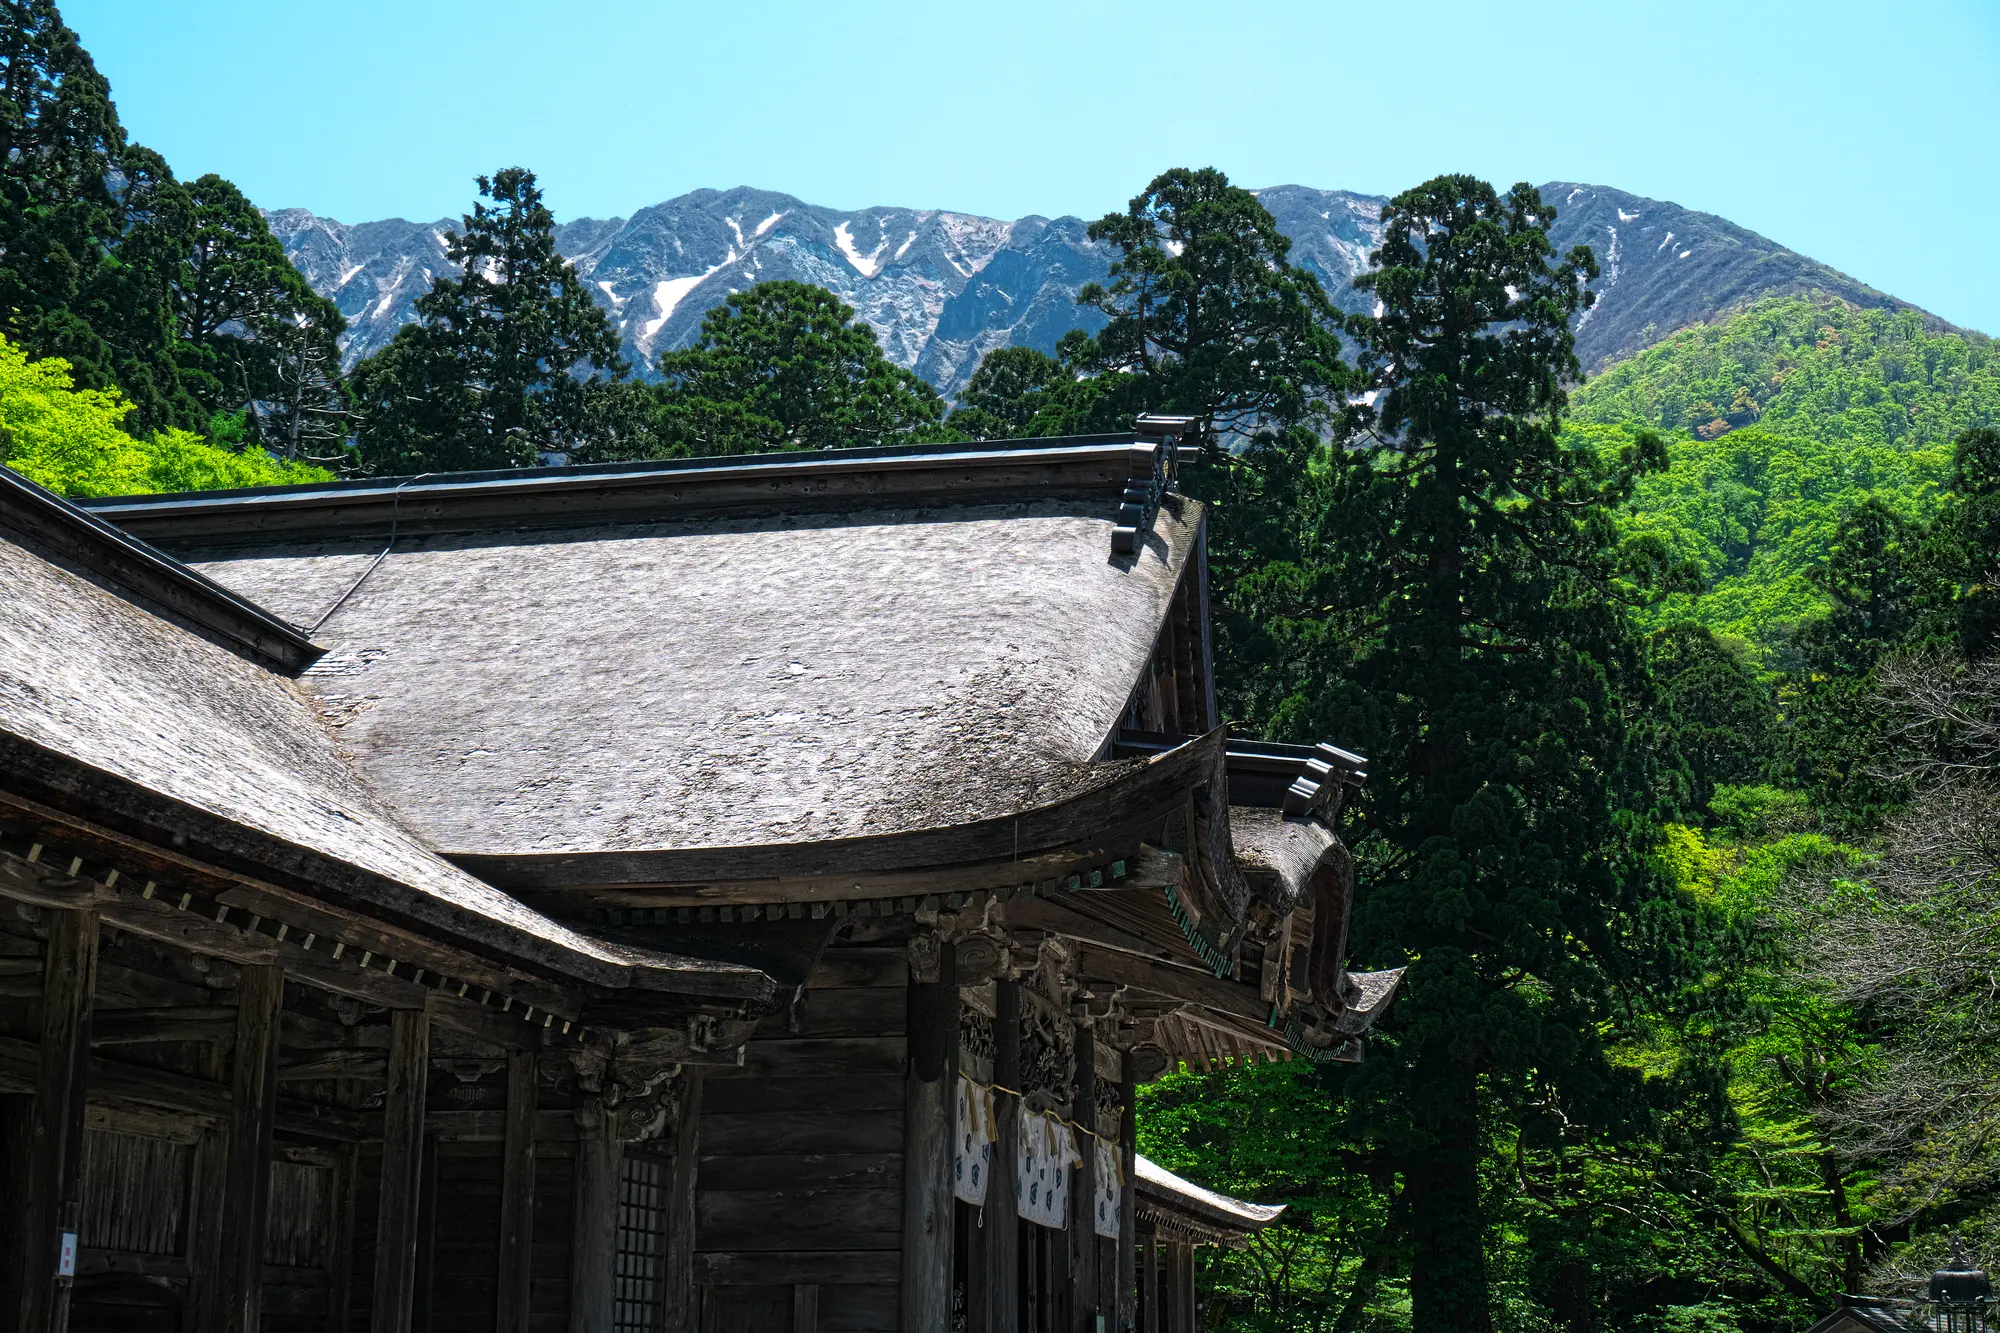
column 1783, row 419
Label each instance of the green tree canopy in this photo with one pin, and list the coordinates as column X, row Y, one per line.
column 785, row 365
column 1014, row 394
column 509, row 362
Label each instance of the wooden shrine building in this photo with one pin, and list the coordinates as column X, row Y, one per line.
column 1174, row 1218
column 632, row 899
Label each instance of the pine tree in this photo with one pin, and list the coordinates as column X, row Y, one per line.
column 510, row 362
column 785, row 365
column 1486, row 664
column 1012, row 392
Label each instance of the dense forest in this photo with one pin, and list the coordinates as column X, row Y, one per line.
column 1679, row 686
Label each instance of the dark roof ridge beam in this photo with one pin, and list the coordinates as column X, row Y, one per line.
column 51, row 525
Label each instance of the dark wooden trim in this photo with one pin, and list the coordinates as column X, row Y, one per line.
column 1128, row 1137
column 402, row 1171
column 1181, row 983
column 517, row 1196
column 1094, row 467
column 929, row 1087
column 1082, row 1199
column 680, row 1307
column 340, row 1257
column 805, row 1307
column 53, row 1195
column 246, row 1191
column 1003, row 1230
column 1004, row 850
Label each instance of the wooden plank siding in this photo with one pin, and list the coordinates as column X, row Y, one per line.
column 800, row 1182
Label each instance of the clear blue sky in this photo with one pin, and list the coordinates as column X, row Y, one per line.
column 1864, row 134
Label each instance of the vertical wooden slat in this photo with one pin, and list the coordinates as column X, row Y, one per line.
column 1083, row 1197
column 340, row 1254
column 517, row 1195
column 927, row 1116
column 55, row 1155
column 593, row 1275
column 402, row 1171
column 246, row 1184
column 1003, row 1231
column 805, row 1308
column 210, row 1174
column 680, row 1305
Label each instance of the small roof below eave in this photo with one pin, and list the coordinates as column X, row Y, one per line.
column 727, row 681
column 1162, row 1188
column 100, row 694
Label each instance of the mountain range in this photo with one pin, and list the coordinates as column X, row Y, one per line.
column 942, row 288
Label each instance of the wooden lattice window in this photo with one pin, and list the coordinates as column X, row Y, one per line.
column 642, row 1245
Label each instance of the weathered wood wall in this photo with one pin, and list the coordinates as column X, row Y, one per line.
column 801, row 1156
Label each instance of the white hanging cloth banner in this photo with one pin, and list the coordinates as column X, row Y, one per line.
column 972, row 1141
column 1041, row 1178
column 1110, row 1188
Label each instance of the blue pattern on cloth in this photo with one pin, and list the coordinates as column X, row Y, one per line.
column 1110, row 1189
column 972, row 1141
column 1047, row 1149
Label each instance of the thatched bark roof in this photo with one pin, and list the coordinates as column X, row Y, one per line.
column 723, row 681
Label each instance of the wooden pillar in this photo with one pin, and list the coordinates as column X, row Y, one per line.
column 593, row 1264
column 1125, row 1277
column 517, row 1196
column 682, row 1309
column 402, row 1171
column 54, row 1195
column 1180, row 1306
column 246, row 1184
column 1149, row 1299
column 1083, row 1196
column 1003, row 1229
column 340, row 1256
column 927, row 1116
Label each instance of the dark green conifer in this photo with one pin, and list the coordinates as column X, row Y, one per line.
column 511, row 361
column 785, row 365
column 1491, row 675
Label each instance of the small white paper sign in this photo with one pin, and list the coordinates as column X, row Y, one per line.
column 66, row 1259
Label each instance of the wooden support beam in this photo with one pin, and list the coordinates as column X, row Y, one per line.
column 402, row 1171
column 517, row 1195
column 193, row 1022
column 1128, row 1136
column 246, row 1193
column 1082, row 1233
column 682, row 1312
column 929, row 1087
column 54, row 1197
column 593, row 1265
column 805, row 1308
column 1003, row 1229
column 1149, row 1298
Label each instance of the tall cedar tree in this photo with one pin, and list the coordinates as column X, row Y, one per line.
column 785, row 365
column 1475, row 552
column 509, row 362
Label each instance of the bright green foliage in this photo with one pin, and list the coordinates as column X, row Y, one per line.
column 1332, row 1263
column 1816, row 368
column 510, row 362
column 73, row 442
column 785, row 365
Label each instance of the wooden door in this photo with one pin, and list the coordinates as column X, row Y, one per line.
column 746, row 1310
